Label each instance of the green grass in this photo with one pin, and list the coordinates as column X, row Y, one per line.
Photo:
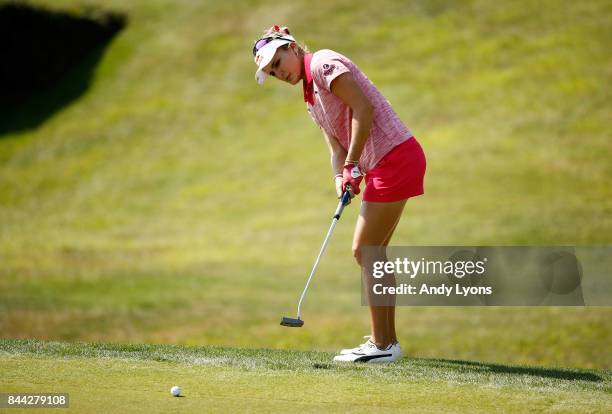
column 161, row 206
column 137, row 378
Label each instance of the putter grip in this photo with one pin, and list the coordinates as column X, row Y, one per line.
column 346, row 196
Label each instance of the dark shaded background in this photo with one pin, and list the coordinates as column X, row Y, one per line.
column 48, row 58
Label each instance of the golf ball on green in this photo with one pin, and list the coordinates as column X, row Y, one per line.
column 175, row 391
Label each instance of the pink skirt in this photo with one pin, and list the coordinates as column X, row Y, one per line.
column 398, row 175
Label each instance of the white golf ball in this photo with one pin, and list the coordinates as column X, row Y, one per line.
column 175, row 391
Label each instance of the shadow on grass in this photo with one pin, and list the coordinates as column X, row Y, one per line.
column 480, row 367
column 49, row 58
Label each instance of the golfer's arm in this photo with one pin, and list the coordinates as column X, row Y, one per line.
column 338, row 154
column 346, row 88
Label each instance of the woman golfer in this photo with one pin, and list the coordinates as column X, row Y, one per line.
column 365, row 137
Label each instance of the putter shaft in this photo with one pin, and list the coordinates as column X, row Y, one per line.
column 343, row 202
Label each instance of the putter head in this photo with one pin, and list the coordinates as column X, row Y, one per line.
column 291, row 322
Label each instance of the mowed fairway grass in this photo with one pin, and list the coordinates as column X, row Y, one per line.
column 177, row 202
column 137, row 378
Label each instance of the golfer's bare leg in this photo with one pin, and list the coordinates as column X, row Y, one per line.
column 375, row 226
column 391, row 309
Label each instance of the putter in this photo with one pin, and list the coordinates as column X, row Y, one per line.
column 297, row 322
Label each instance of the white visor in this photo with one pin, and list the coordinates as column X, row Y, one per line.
column 265, row 55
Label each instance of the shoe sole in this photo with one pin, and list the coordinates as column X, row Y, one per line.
column 373, row 359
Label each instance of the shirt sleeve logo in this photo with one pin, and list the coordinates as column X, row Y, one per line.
column 328, row 69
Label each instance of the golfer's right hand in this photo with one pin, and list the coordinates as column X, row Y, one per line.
column 351, row 178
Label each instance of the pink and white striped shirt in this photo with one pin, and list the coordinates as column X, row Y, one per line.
column 335, row 117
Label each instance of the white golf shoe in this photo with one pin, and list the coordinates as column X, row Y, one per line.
column 357, row 348
column 369, row 352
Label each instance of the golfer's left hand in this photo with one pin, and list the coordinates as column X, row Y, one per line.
column 351, row 175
